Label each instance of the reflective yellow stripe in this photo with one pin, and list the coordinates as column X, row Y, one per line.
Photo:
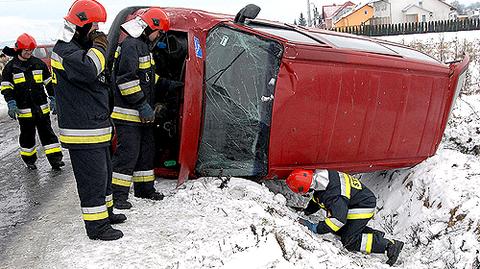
column 95, row 216
column 27, row 153
column 109, row 203
column 100, row 56
column 85, row 139
column 6, row 87
column 345, row 185
column 157, row 77
column 56, row 64
column 121, row 182
column 53, row 150
column 332, row 225
column 19, row 80
column 131, row 90
column 143, row 178
column 360, row 216
column 38, row 76
column 120, row 116
column 145, row 65
column 25, row 115
column 126, row 117
column 369, row 244
column 45, row 110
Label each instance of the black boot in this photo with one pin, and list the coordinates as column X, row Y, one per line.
column 121, row 204
column 393, row 251
column 156, row 196
column 108, row 234
column 115, row 218
column 57, row 165
column 31, row 166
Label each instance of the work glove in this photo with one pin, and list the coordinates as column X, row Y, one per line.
column 53, row 106
column 99, row 39
column 311, row 226
column 160, row 110
column 12, row 109
column 146, row 113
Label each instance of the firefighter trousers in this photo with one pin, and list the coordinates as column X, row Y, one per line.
column 93, row 169
column 357, row 236
column 49, row 140
column 133, row 161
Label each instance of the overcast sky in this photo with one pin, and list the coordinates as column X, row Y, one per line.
column 43, row 18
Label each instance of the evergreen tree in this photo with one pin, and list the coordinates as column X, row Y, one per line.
column 302, row 21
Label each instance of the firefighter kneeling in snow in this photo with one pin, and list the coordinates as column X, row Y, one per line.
column 83, row 95
column 25, row 78
column 134, row 76
column 349, row 205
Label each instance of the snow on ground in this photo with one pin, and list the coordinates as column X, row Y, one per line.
column 433, row 207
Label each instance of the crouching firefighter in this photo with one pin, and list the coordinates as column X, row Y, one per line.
column 83, row 96
column 349, row 205
column 134, row 77
column 25, row 79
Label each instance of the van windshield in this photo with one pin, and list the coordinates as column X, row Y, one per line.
column 241, row 71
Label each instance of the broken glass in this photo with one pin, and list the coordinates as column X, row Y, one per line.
column 241, row 71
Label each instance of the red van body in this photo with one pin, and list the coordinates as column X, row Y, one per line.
column 262, row 98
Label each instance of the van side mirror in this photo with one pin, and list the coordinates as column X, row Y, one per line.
column 248, row 12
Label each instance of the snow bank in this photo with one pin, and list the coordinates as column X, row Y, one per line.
column 435, row 207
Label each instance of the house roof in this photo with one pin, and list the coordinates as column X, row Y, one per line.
column 405, row 9
column 330, row 11
column 358, row 7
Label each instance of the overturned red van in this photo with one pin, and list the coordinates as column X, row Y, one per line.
column 258, row 98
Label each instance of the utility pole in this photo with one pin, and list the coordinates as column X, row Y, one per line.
column 309, row 16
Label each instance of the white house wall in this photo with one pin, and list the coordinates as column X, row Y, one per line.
column 440, row 10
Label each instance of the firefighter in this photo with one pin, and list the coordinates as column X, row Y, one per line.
column 78, row 64
column 349, row 205
column 134, row 77
column 24, row 81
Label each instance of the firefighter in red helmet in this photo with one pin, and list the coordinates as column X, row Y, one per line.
column 349, row 205
column 83, row 99
column 134, row 78
column 24, row 81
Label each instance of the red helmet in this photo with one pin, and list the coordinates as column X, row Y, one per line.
column 300, row 180
column 156, row 18
column 25, row 42
column 86, row 11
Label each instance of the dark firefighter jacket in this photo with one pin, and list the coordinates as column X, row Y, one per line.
column 345, row 198
column 25, row 82
column 134, row 78
column 82, row 95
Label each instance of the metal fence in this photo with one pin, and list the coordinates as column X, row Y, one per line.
column 412, row 27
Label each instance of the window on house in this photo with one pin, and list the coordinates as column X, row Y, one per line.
column 424, row 18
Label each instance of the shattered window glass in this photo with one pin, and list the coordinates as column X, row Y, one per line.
column 240, row 77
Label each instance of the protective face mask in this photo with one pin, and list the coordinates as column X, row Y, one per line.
column 134, row 27
column 67, row 32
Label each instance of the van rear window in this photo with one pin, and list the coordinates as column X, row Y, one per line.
column 355, row 44
column 289, row 35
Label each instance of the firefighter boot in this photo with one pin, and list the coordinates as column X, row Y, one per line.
column 115, row 218
column 121, row 204
column 57, row 165
column 108, row 234
column 31, row 166
column 156, row 196
column 393, row 251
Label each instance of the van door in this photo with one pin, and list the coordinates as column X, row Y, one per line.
column 241, row 71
